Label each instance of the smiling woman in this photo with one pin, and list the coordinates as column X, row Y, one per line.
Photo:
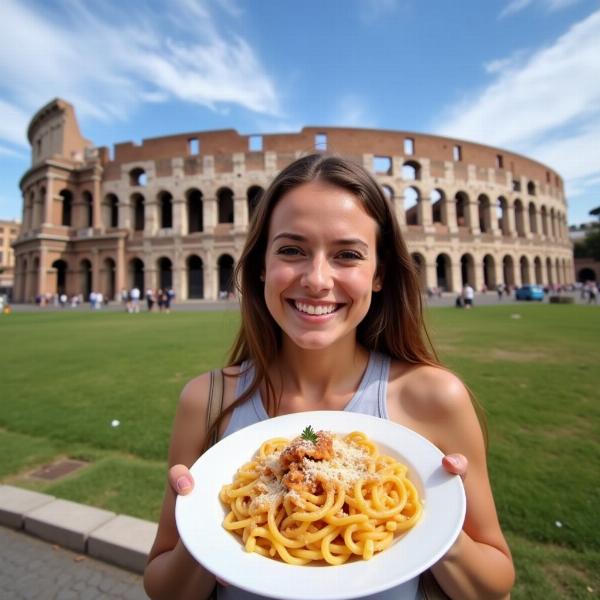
column 332, row 320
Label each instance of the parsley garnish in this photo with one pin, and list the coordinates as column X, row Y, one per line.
column 309, row 435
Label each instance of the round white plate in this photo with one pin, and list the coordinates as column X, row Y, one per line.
column 200, row 514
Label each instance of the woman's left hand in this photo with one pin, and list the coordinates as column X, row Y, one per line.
column 457, row 464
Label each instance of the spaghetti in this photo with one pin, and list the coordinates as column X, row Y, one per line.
column 320, row 497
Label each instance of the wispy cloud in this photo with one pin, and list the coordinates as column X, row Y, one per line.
column 373, row 10
column 353, row 111
column 109, row 62
column 528, row 107
column 515, row 6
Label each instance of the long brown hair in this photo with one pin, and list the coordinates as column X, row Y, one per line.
column 393, row 325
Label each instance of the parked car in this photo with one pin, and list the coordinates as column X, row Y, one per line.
column 530, row 292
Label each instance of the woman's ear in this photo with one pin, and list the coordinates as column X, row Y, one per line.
column 377, row 284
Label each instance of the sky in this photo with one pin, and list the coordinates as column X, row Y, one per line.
column 522, row 75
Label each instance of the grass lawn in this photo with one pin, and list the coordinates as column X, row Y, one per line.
column 66, row 376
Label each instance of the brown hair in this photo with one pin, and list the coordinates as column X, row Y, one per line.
column 394, row 324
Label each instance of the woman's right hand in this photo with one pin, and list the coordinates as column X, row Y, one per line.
column 181, row 480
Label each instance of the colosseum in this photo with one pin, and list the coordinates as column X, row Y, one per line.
column 174, row 211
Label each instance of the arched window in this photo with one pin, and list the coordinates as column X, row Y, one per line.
column 519, row 218
column 411, row 169
column 136, row 274
column 443, row 268
column 485, row 214
column 532, row 218
column 226, row 283
column 85, row 279
column 194, row 210
column 531, row 188
column 88, row 210
column 412, row 198
column 139, row 212
column 537, row 265
column 438, row 207
column 195, row 277
column 508, row 271
column 165, row 204
column 137, row 177
column 502, row 213
column 524, row 267
column 111, row 211
column 544, row 214
column 489, row 272
column 61, row 276
column 109, row 271
column 462, row 209
column 225, row 201
column 467, row 270
column 67, row 208
column 165, row 273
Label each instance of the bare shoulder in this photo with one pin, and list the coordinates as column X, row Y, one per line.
column 435, row 402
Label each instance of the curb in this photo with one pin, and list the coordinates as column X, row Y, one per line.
column 118, row 539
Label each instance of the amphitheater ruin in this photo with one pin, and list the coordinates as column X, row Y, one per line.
column 174, row 211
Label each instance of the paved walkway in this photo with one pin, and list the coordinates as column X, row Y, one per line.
column 31, row 569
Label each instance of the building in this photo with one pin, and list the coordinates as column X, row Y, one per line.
column 174, row 211
column 586, row 267
column 9, row 232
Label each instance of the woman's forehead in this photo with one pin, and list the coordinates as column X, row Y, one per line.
column 321, row 206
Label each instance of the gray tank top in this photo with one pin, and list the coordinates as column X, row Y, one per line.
column 369, row 399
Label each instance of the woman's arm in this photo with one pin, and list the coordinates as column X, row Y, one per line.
column 171, row 571
column 479, row 565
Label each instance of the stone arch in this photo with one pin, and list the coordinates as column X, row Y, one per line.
column 253, row 197
column 485, row 213
column 109, row 278
column 489, row 272
column 439, row 206
column 524, row 270
column 502, row 214
column 420, row 268
column 537, row 270
column 533, row 227
column 411, row 170
column 519, row 218
column 586, row 274
column 443, row 268
column 86, row 283
column 531, row 188
column 136, row 274
column 137, row 177
column 110, row 211
column 60, row 267
column 165, row 210
column 195, row 276
column 164, row 267
column 467, row 269
column 462, row 209
column 225, row 266
column 412, row 206
column 87, row 218
column 559, row 278
column 225, row 203
column 194, row 206
column 508, row 270
column 138, row 209
column 66, row 217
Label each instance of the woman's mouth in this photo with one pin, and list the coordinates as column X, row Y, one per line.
column 314, row 309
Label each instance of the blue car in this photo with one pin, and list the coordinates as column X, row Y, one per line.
column 530, row 292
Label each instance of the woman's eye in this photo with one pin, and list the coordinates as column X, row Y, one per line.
column 350, row 255
column 289, row 251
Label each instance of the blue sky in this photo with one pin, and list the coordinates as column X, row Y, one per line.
column 520, row 74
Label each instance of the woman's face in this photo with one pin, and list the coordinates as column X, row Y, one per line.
column 320, row 264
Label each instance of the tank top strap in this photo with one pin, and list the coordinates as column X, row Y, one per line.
column 250, row 412
column 370, row 398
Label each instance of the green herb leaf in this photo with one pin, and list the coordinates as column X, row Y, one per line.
column 310, row 435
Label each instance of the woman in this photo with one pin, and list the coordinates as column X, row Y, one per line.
column 329, row 300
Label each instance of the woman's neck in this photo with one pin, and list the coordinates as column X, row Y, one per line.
column 320, row 378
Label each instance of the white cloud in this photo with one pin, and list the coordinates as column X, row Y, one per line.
column 515, row 6
column 109, row 62
column 528, row 107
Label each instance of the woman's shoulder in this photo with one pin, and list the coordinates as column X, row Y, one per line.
column 435, row 385
column 194, row 395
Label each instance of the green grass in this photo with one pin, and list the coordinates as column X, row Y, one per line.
column 65, row 376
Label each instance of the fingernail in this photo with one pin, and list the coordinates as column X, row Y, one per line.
column 183, row 484
column 452, row 460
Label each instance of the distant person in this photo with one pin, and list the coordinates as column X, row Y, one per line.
column 99, row 300
column 468, row 294
column 169, row 297
column 63, row 300
column 150, row 299
column 592, row 293
column 134, row 296
column 500, row 290
column 160, row 299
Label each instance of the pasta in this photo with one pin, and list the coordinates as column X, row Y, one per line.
column 320, row 497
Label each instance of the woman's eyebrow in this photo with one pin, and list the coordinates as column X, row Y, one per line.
column 341, row 242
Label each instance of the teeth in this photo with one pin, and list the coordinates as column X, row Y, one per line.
column 311, row 309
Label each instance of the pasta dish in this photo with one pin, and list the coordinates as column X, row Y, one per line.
column 320, row 497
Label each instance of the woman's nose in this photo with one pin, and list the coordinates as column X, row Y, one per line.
column 317, row 275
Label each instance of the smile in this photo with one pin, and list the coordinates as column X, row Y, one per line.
column 314, row 309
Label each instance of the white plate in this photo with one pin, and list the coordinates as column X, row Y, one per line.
column 200, row 514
